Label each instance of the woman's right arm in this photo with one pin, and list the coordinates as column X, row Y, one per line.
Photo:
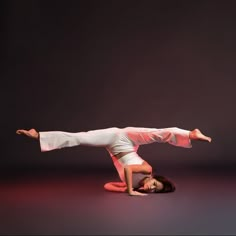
column 145, row 168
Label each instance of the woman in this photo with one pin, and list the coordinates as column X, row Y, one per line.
column 122, row 144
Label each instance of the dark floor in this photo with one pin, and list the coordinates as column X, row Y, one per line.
column 65, row 203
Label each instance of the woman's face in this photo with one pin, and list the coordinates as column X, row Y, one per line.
column 152, row 185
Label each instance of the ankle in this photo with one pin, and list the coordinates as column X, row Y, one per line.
column 191, row 135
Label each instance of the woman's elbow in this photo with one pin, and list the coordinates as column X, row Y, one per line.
column 149, row 169
column 107, row 186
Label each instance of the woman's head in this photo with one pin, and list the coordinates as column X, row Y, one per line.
column 168, row 186
column 157, row 184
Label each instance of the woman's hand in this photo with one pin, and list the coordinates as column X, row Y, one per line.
column 136, row 193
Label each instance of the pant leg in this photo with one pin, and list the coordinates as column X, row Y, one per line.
column 51, row 140
column 174, row 136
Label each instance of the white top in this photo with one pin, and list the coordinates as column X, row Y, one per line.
column 130, row 159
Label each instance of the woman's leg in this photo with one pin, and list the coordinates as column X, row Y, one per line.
column 51, row 140
column 174, row 136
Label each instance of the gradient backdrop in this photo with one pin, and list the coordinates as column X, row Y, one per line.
column 82, row 65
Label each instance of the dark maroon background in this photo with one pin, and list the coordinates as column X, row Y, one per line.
column 82, row 65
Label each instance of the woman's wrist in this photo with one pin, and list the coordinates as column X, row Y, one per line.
column 130, row 191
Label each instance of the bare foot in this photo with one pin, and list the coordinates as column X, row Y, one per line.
column 32, row 133
column 196, row 134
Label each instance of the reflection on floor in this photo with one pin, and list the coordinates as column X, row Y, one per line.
column 75, row 203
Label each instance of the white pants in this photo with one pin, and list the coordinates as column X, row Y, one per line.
column 114, row 139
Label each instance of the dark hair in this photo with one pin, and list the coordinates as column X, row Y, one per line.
column 168, row 185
